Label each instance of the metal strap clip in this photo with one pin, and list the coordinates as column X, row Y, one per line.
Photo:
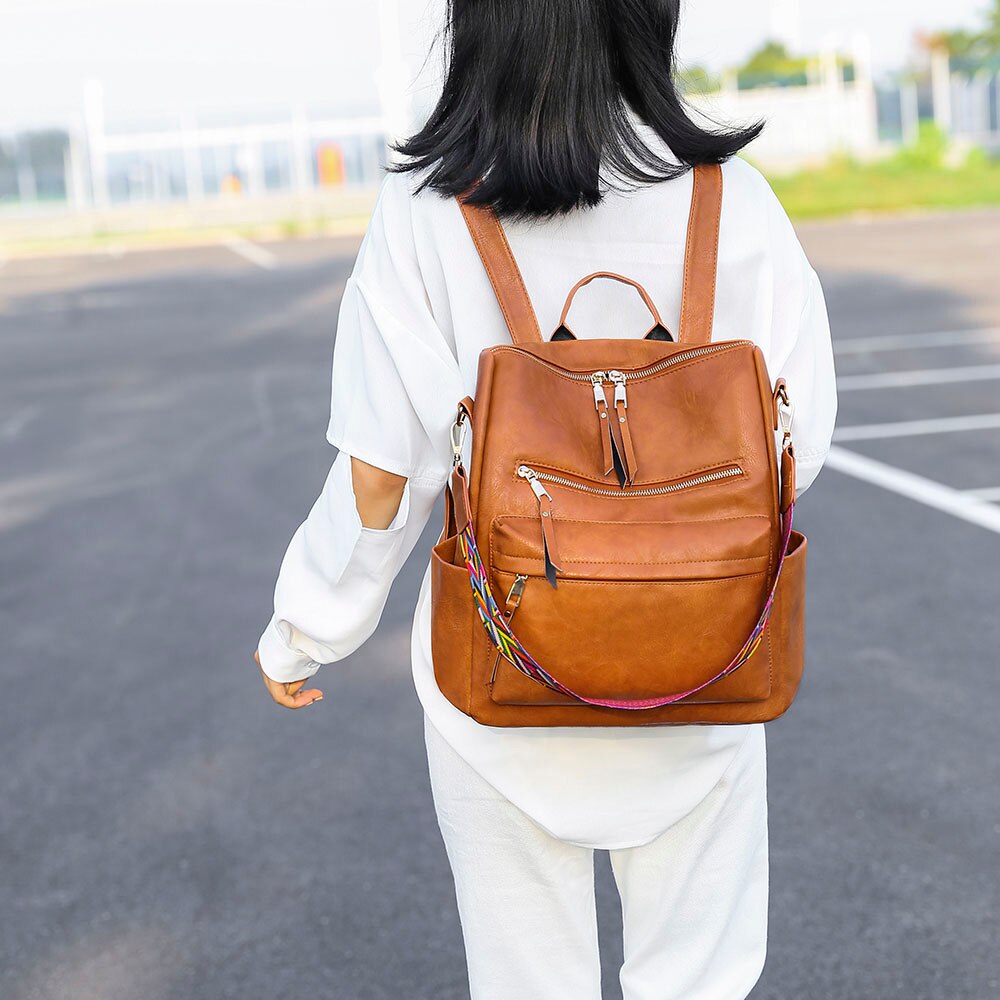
column 458, row 432
column 786, row 411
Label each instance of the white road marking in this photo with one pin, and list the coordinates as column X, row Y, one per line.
column 902, row 341
column 913, row 428
column 959, row 504
column 990, row 493
column 251, row 252
column 922, row 376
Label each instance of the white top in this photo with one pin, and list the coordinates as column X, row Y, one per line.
column 416, row 313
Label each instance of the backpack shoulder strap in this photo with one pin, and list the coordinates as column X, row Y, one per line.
column 701, row 255
column 700, row 263
column 508, row 285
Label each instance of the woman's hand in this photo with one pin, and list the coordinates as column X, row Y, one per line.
column 289, row 695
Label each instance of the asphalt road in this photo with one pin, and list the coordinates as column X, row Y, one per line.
column 165, row 832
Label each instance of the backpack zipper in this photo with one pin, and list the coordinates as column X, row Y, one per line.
column 546, row 505
column 627, row 466
column 617, row 449
column 607, row 436
column 535, row 480
column 635, row 373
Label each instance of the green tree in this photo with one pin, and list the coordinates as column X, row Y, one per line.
column 696, row 80
column 990, row 35
column 967, row 44
column 772, row 64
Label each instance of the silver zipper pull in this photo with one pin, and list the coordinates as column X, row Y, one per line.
column 545, row 511
column 597, row 378
column 601, row 403
column 619, row 380
column 533, row 481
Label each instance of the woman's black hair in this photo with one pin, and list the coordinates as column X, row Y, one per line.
column 537, row 99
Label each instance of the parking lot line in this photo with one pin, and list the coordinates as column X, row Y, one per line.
column 990, row 493
column 961, row 504
column 922, row 376
column 914, row 428
column 905, row 341
column 251, row 252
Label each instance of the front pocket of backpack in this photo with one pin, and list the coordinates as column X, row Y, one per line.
column 641, row 609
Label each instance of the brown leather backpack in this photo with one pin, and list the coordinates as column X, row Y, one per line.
column 620, row 550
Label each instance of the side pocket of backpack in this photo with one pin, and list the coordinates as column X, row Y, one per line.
column 453, row 616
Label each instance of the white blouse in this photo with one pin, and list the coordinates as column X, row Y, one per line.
column 416, row 313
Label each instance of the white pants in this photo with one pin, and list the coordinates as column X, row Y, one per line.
column 694, row 900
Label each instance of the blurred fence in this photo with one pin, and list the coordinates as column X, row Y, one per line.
column 89, row 168
column 973, row 107
column 193, row 163
column 804, row 124
column 808, row 124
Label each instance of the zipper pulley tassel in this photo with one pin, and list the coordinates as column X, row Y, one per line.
column 623, row 438
column 546, row 510
column 619, row 454
column 601, row 403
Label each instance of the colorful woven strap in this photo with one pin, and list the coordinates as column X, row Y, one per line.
column 510, row 648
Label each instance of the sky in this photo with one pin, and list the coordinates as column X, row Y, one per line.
column 248, row 58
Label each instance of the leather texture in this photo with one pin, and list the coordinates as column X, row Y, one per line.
column 647, row 301
column 701, row 256
column 658, row 582
column 503, row 272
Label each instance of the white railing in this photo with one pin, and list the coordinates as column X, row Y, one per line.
column 803, row 125
column 190, row 162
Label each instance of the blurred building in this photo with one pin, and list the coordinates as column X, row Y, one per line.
column 831, row 105
column 190, row 161
column 814, row 108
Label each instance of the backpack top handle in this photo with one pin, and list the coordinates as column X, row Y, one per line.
column 657, row 332
column 700, row 262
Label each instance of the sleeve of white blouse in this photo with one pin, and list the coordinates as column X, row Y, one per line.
column 802, row 352
column 812, row 385
column 394, row 386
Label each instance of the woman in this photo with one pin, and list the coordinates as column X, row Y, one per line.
column 566, row 113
